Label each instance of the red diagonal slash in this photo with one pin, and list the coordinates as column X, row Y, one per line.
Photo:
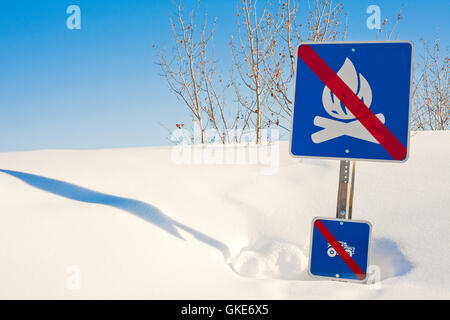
column 339, row 249
column 376, row 128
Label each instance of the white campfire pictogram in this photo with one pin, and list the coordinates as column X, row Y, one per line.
column 335, row 128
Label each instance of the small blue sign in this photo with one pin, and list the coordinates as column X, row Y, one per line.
column 340, row 249
column 379, row 74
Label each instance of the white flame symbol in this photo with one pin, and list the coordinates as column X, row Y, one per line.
column 335, row 128
column 348, row 74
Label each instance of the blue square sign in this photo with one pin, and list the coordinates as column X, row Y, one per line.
column 352, row 100
column 339, row 249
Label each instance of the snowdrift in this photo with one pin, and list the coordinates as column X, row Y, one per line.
column 132, row 223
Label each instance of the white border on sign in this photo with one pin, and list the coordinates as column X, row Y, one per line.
column 410, row 91
column 369, row 248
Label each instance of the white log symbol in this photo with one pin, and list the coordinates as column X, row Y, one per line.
column 335, row 128
column 333, row 106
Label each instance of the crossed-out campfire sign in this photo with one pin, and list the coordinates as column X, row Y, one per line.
column 333, row 106
column 351, row 102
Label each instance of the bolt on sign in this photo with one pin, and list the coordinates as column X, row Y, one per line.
column 351, row 102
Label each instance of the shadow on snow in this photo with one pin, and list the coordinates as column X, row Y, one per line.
column 141, row 209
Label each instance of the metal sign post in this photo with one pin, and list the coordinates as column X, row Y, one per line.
column 345, row 190
column 344, row 93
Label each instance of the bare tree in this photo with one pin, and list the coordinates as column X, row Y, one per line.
column 191, row 75
column 279, row 33
column 390, row 27
column 325, row 21
column 431, row 109
column 255, row 42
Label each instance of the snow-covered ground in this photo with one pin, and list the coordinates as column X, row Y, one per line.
column 130, row 223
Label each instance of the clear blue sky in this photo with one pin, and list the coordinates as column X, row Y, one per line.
column 98, row 87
